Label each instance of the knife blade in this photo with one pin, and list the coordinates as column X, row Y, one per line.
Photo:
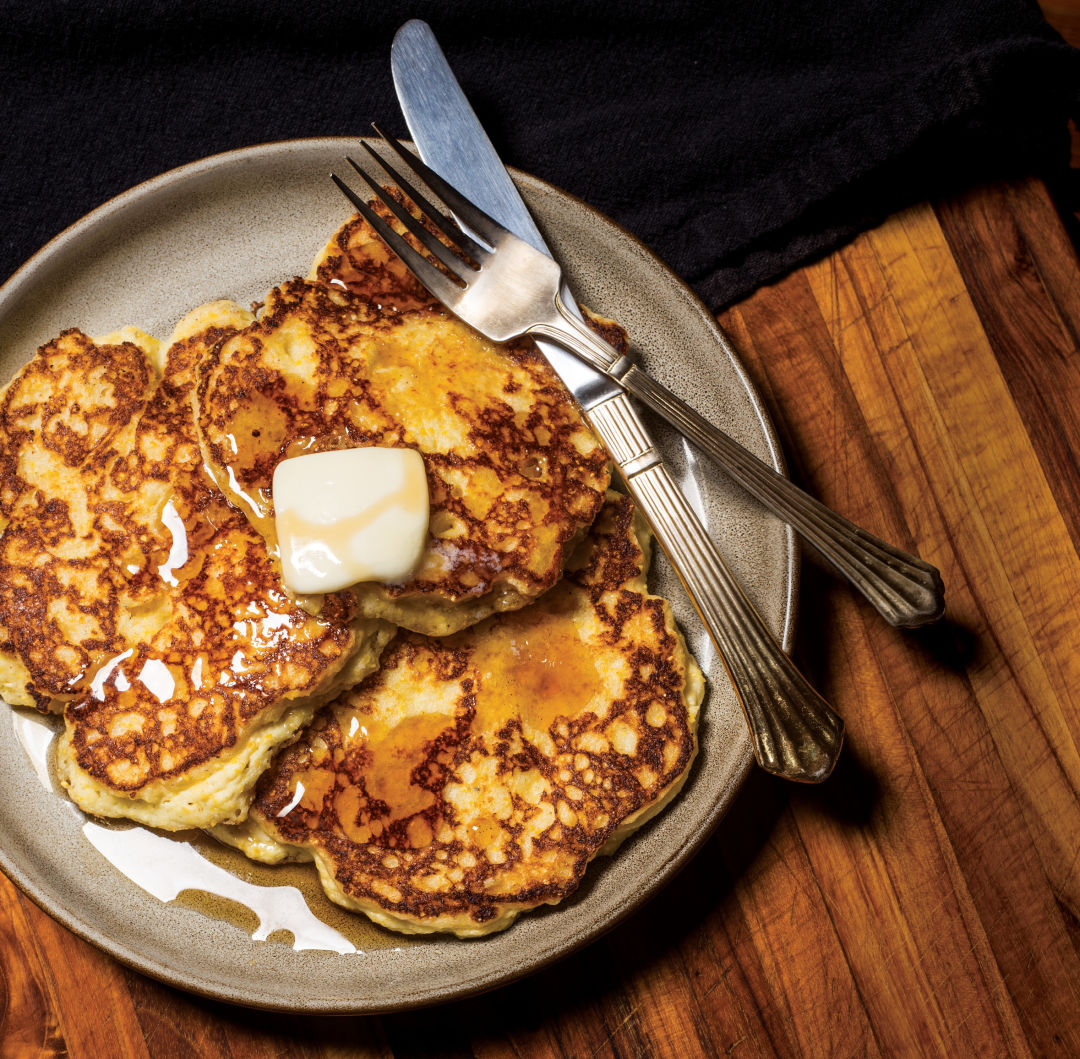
column 436, row 114
column 795, row 732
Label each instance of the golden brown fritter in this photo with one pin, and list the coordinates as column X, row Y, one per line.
column 76, row 400
column 70, row 400
column 174, row 731
column 359, row 356
column 474, row 777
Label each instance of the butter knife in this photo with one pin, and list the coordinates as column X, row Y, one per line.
column 795, row 733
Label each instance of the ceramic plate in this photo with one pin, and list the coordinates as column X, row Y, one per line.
column 233, row 226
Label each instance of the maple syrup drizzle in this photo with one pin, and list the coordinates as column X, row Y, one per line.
column 178, row 550
column 533, row 665
column 397, row 754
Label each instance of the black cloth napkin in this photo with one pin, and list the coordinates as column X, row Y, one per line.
column 736, row 139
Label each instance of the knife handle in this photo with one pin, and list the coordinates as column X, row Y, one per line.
column 905, row 590
column 795, row 732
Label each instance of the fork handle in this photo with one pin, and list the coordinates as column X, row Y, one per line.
column 905, row 590
column 795, row 732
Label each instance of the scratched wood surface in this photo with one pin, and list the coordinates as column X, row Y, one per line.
column 926, row 900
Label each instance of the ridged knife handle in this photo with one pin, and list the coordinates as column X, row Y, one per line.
column 795, row 732
column 903, row 589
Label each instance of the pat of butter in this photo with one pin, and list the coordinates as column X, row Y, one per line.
column 350, row 515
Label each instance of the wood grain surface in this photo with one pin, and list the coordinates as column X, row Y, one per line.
column 926, row 899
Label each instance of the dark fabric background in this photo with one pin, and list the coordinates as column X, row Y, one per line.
column 737, row 139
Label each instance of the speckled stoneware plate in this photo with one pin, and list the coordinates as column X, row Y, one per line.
column 233, row 226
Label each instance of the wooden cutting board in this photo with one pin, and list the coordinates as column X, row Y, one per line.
column 926, row 900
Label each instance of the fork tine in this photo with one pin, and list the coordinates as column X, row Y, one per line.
column 438, row 283
column 434, row 246
column 486, row 227
column 444, row 223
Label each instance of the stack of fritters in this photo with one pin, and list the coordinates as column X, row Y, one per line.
column 519, row 723
column 476, row 775
column 138, row 601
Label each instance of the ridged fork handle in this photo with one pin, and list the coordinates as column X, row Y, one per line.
column 905, row 590
column 795, row 732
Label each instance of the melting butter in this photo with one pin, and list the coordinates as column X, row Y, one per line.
column 168, row 867
column 35, row 734
column 350, row 515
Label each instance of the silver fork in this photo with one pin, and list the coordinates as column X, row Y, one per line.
column 507, row 289
column 513, row 285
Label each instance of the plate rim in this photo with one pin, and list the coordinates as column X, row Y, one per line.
column 62, row 912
